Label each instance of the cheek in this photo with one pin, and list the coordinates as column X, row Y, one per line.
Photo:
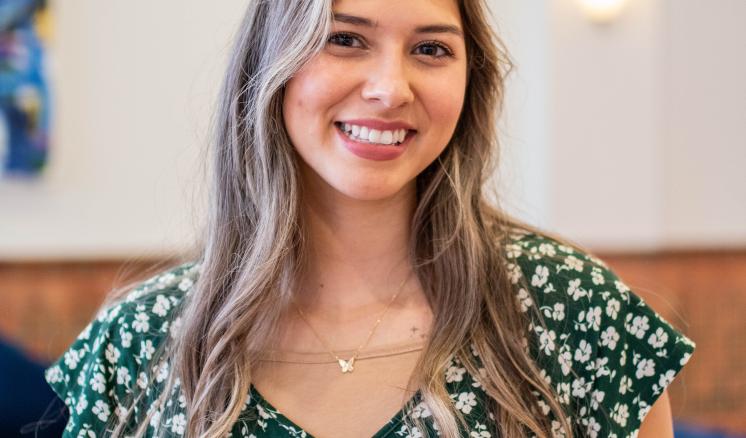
column 311, row 94
column 444, row 102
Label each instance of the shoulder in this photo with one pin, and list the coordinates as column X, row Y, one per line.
column 603, row 349
column 111, row 356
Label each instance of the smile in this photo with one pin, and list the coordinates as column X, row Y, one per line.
column 370, row 150
column 363, row 134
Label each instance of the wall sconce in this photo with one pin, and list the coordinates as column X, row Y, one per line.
column 602, row 11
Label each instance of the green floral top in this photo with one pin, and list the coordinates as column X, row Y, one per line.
column 622, row 352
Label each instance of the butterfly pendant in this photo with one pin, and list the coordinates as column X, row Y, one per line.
column 346, row 365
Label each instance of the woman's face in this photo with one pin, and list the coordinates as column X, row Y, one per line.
column 390, row 68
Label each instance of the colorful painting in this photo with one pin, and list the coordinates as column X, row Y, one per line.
column 24, row 100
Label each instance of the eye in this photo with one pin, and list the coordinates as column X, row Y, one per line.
column 433, row 53
column 345, row 39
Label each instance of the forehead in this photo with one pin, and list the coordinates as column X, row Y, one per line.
column 415, row 14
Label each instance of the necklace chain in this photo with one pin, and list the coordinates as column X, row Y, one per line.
column 347, row 365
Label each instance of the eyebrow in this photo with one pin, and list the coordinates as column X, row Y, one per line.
column 430, row 28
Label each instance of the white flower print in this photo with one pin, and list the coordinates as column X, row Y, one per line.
column 625, row 384
column 612, row 308
column 98, row 383
column 54, row 375
column 546, row 339
column 161, row 305
column 666, row 378
column 540, row 277
column 178, row 424
column 406, row 432
column 547, row 250
column 477, row 380
column 466, row 401
column 123, row 376
column 185, row 284
column 420, row 411
column 557, row 312
column 142, row 380
column 565, row 360
column 155, row 420
column 620, row 413
column 480, row 431
column 81, row 405
column 593, row 317
column 659, row 338
column 557, row 429
column 575, row 290
column 601, row 366
column 563, row 392
column 580, row 387
column 162, row 372
column 639, row 326
column 167, row 279
column 573, row 262
column 72, row 357
column 525, row 299
column 126, row 339
column 112, row 354
column 645, row 368
column 583, row 353
column 101, row 410
column 147, row 349
column 593, row 428
column 140, row 324
column 473, row 349
column 455, row 374
column 512, row 250
column 597, row 396
column 597, row 277
column 175, row 326
column 609, row 337
column 545, row 376
column 621, row 287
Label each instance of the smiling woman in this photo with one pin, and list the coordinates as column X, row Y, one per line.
column 353, row 278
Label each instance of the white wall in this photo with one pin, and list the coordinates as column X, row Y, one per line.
column 523, row 176
column 606, row 117
column 648, row 125
column 705, row 122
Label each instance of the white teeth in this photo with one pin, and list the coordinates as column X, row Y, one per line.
column 363, row 133
column 387, row 137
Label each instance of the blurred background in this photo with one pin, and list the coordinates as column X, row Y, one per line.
column 624, row 130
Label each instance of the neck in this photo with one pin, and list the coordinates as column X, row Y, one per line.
column 358, row 253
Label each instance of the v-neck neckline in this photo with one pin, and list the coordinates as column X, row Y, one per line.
column 383, row 431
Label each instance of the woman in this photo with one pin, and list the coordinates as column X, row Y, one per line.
column 353, row 273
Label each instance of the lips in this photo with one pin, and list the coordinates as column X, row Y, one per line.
column 370, row 151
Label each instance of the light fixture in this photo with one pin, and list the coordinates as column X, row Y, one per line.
column 602, row 11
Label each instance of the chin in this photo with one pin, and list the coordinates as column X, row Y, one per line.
column 357, row 189
column 361, row 193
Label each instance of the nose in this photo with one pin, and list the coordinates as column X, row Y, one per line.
column 388, row 82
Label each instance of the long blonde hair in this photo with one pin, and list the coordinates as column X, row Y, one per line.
column 254, row 243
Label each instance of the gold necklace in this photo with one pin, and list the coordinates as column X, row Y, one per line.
column 347, row 365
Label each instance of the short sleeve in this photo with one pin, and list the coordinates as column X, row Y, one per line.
column 95, row 374
column 606, row 353
column 636, row 355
